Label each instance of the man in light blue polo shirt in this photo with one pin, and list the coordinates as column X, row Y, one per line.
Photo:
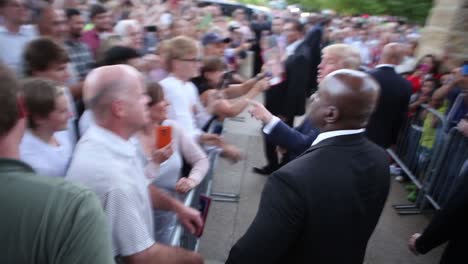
column 13, row 34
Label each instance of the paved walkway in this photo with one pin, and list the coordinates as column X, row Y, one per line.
column 229, row 221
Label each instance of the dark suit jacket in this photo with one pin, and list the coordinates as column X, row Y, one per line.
column 313, row 40
column 450, row 224
column 392, row 108
column 294, row 140
column 288, row 98
column 321, row 207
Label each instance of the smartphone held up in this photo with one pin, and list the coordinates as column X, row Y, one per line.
column 163, row 135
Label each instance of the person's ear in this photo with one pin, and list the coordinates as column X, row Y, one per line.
column 118, row 108
column 332, row 115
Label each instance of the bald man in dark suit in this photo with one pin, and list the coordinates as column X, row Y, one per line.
column 323, row 206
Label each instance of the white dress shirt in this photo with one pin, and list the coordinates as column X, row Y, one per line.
column 336, row 133
column 110, row 166
column 291, row 48
column 270, row 125
column 385, row 65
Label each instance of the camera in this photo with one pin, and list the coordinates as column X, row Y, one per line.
column 151, row 29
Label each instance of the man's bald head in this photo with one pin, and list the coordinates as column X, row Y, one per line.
column 106, row 84
column 345, row 100
column 393, row 53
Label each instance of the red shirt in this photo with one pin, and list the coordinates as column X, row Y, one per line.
column 415, row 83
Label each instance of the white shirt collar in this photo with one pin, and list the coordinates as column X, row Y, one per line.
column 24, row 30
column 174, row 78
column 385, row 65
column 336, row 133
column 112, row 141
column 293, row 46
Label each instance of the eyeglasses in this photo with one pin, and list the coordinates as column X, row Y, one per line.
column 191, row 60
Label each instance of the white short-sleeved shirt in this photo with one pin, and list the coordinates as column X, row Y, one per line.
column 109, row 166
column 183, row 99
column 86, row 120
column 12, row 46
column 45, row 159
column 71, row 127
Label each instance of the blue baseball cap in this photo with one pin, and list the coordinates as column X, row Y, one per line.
column 211, row 38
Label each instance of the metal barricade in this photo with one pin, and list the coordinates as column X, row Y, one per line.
column 180, row 237
column 448, row 166
column 430, row 158
column 219, row 196
column 177, row 233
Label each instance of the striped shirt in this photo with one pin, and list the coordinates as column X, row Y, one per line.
column 109, row 166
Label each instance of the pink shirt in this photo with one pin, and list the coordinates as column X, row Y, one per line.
column 91, row 38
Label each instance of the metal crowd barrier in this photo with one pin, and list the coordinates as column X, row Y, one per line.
column 220, row 196
column 431, row 158
column 180, row 237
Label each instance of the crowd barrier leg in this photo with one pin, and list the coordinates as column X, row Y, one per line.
column 219, row 196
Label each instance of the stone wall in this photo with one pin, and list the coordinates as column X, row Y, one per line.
column 446, row 31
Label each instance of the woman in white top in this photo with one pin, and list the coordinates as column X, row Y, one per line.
column 167, row 174
column 43, row 147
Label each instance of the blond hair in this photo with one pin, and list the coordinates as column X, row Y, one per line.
column 348, row 56
column 179, row 47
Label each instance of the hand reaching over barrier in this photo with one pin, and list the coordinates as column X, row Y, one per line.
column 228, row 151
column 190, row 218
column 185, row 184
column 259, row 112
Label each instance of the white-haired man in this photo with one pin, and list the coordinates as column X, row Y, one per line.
column 131, row 33
column 108, row 163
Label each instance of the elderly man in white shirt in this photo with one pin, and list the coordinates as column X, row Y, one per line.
column 108, row 163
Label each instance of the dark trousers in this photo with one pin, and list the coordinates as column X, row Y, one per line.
column 270, row 148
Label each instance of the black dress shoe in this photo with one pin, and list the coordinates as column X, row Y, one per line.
column 266, row 170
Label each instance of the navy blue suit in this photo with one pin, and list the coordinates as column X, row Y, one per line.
column 294, row 140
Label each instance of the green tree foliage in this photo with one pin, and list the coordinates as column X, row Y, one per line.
column 254, row 2
column 414, row 10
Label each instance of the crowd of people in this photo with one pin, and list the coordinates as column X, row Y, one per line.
column 87, row 86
